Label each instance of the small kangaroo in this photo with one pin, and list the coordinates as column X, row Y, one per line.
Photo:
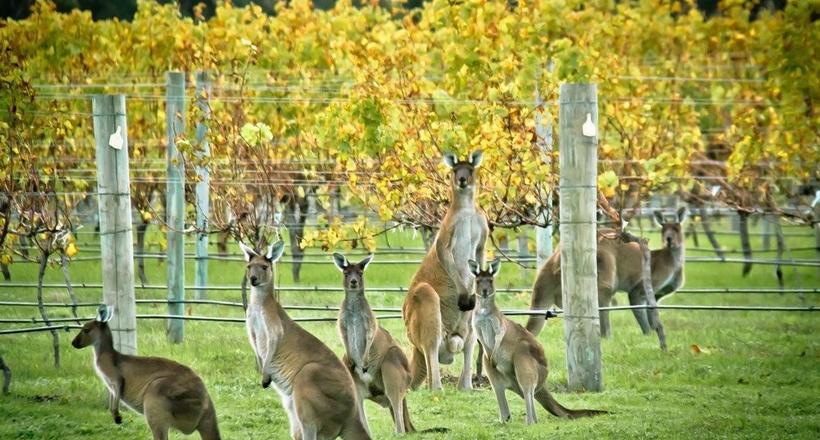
column 440, row 300
column 513, row 358
column 379, row 367
column 619, row 268
column 168, row 393
column 317, row 391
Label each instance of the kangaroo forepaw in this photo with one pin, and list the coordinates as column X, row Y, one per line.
column 466, row 302
column 266, row 380
column 117, row 419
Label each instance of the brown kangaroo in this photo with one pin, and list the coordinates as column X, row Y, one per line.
column 168, row 393
column 619, row 268
column 513, row 358
column 440, row 300
column 317, row 391
column 379, row 367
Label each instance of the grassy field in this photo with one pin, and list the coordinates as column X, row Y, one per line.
column 756, row 375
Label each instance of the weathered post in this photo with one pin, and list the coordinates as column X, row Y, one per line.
column 175, row 204
column 578, row 116
column 116, row 242
column 203, row 202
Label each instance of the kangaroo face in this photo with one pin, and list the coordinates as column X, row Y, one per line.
column 485, row 279
column 92, row 331
column 259, row 271
column 463, row 177
column 353, row 273
column 672, row 231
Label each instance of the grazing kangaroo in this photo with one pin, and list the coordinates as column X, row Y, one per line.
column 440, row 300
column 378, row 365
column 316, row 389
column 619, row 268
column 513, row 358
column 168, row 393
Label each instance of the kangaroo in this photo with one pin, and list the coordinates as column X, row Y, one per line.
column 513, row 358
column 379, row 367
column 440, row 299
column 168, row 393
column 316, row 389
column 619, row 268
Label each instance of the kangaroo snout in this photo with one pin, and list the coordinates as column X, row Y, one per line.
column 253, row 280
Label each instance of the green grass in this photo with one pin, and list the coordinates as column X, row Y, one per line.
column 757, row 377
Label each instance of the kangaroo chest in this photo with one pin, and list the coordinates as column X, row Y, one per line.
column 266, row 334
column 357, row 332
column 108, row 377
column 467, row 229
column 489, row 331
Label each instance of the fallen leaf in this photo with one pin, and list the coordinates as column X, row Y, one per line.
column 697, row 349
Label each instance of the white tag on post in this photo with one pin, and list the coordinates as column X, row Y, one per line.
column 588, row 128
column 116, row 141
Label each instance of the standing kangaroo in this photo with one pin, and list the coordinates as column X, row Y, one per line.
column 619, row 268
column 513, row 358
column 440, row 300
column 379, row 367
column 316, row 389
column 168, row 393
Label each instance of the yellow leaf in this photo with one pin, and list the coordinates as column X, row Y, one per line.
column 71, row 250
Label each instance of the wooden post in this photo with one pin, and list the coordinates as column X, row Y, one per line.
column 203, row 202
column 543, row 138
column 579, row 273
column 116, row 242
column 175, row 203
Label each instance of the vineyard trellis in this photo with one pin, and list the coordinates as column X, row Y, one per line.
column 353, row 128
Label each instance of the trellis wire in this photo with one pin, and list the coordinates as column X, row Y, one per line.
column 387, row 289
column 551, row 312
column 769, row 262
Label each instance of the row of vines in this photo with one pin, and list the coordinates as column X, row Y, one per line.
column 361, row 102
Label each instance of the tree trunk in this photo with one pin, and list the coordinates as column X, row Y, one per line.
column 710, row 234
column 142, row 227
column 6, row 375
column 297, row 208
column 427, row 236
column 781, row 246
column 222, row 243
column 694, row 233
column 6, row 274
column 55, row 337
column 69, row 287
column 743, row 224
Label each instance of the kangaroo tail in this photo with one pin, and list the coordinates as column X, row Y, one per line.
column 550, row 404
column 418, row 368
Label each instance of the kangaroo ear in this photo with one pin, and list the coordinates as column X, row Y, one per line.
column 475, row 158
column 248, row 251
column 275, row 251
column 340, row 260
column 495, row 265
column 658, row 217
column 450, row 159
column 366, row 261
column 104, row 313
column 683, row 214
column 474, row 267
